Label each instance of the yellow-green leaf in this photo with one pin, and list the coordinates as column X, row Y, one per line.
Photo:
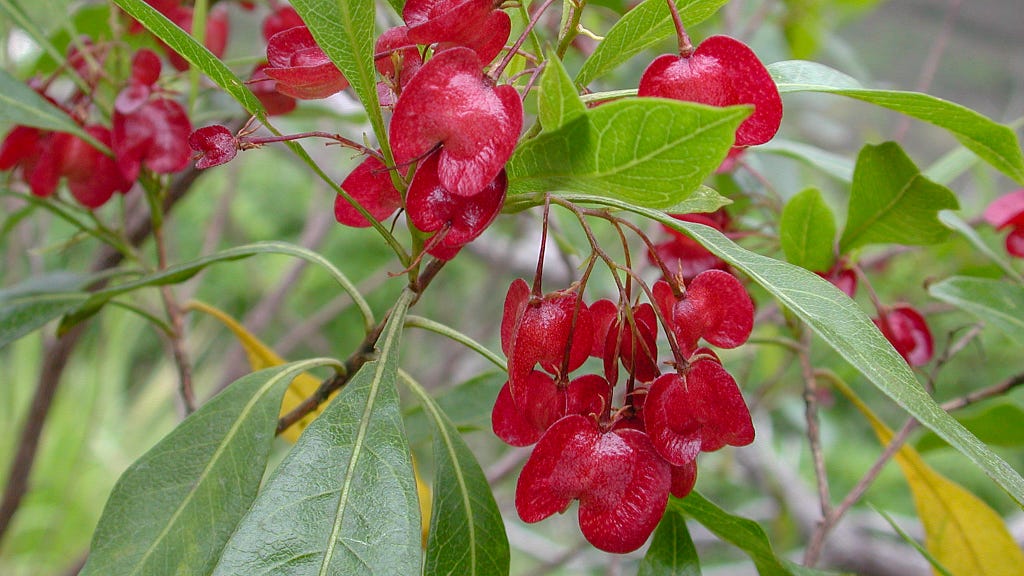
column 962, row 532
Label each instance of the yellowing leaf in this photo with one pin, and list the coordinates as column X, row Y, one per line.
column 963, row 533
column 423, row 491
column 262, row 356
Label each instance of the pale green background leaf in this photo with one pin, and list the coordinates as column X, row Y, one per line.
column 988, row 422
column 22, row 105
column 993, row 142
column 998, row 303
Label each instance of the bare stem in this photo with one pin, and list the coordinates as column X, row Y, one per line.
column 686, row 48
column 814, row 424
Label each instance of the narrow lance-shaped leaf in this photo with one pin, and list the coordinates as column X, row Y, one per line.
column 843, row 326
column 807, row 231
column 649, row 151
column 173, row 510
column 743, row 533
column 194, row 52
column 558, row 101
column 640, row 28
column 892, row 202
column 998, row 303
column 344, row 499
column 956, row 223
column 182, row 272
column 27, row 307
column 467, row 536
column 962, row 532
column 22, row 105
column 672, row 552
column 992, row 142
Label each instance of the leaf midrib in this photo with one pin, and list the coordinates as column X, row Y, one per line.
column 242, row 416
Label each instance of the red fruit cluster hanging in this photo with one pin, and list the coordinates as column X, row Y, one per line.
column 451, row 121
column 619, row 451
column 149, row 130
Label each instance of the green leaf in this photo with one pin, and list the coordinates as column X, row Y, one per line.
column 703, row 200
column 344, row 30
column 467, row 535
column 954, row 222
column 559, row 102
column 993, row 142
column 182, row 272
column 344, row 499
column 808, row 231
column 649, row 151
column 843, row 326
column 27, row 307
column 194, row 52
column 988, row 423
column 745, row 534
column 173, row 510
column 836, row 166
column 1000, row 304
column 468, row 405
column 22, row 105
column 642, row 27
column 672, row 552
column 891, row 201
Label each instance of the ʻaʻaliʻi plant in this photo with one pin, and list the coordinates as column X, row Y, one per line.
column 584, row 289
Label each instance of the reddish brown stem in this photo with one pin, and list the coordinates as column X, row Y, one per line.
column 686, row 48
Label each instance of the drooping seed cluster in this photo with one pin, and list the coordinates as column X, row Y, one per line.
column 621, row 440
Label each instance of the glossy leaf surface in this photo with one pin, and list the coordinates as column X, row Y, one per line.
column 344, row 500
column 173, row 510
column 559, row 102
column 745, row 534
column 467, row 535
column 652, row 152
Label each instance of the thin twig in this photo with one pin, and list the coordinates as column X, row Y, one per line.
column 814, row 424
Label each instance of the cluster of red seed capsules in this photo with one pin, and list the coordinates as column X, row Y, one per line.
column 620, row 443
column 449, row 118
column 148, row 128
